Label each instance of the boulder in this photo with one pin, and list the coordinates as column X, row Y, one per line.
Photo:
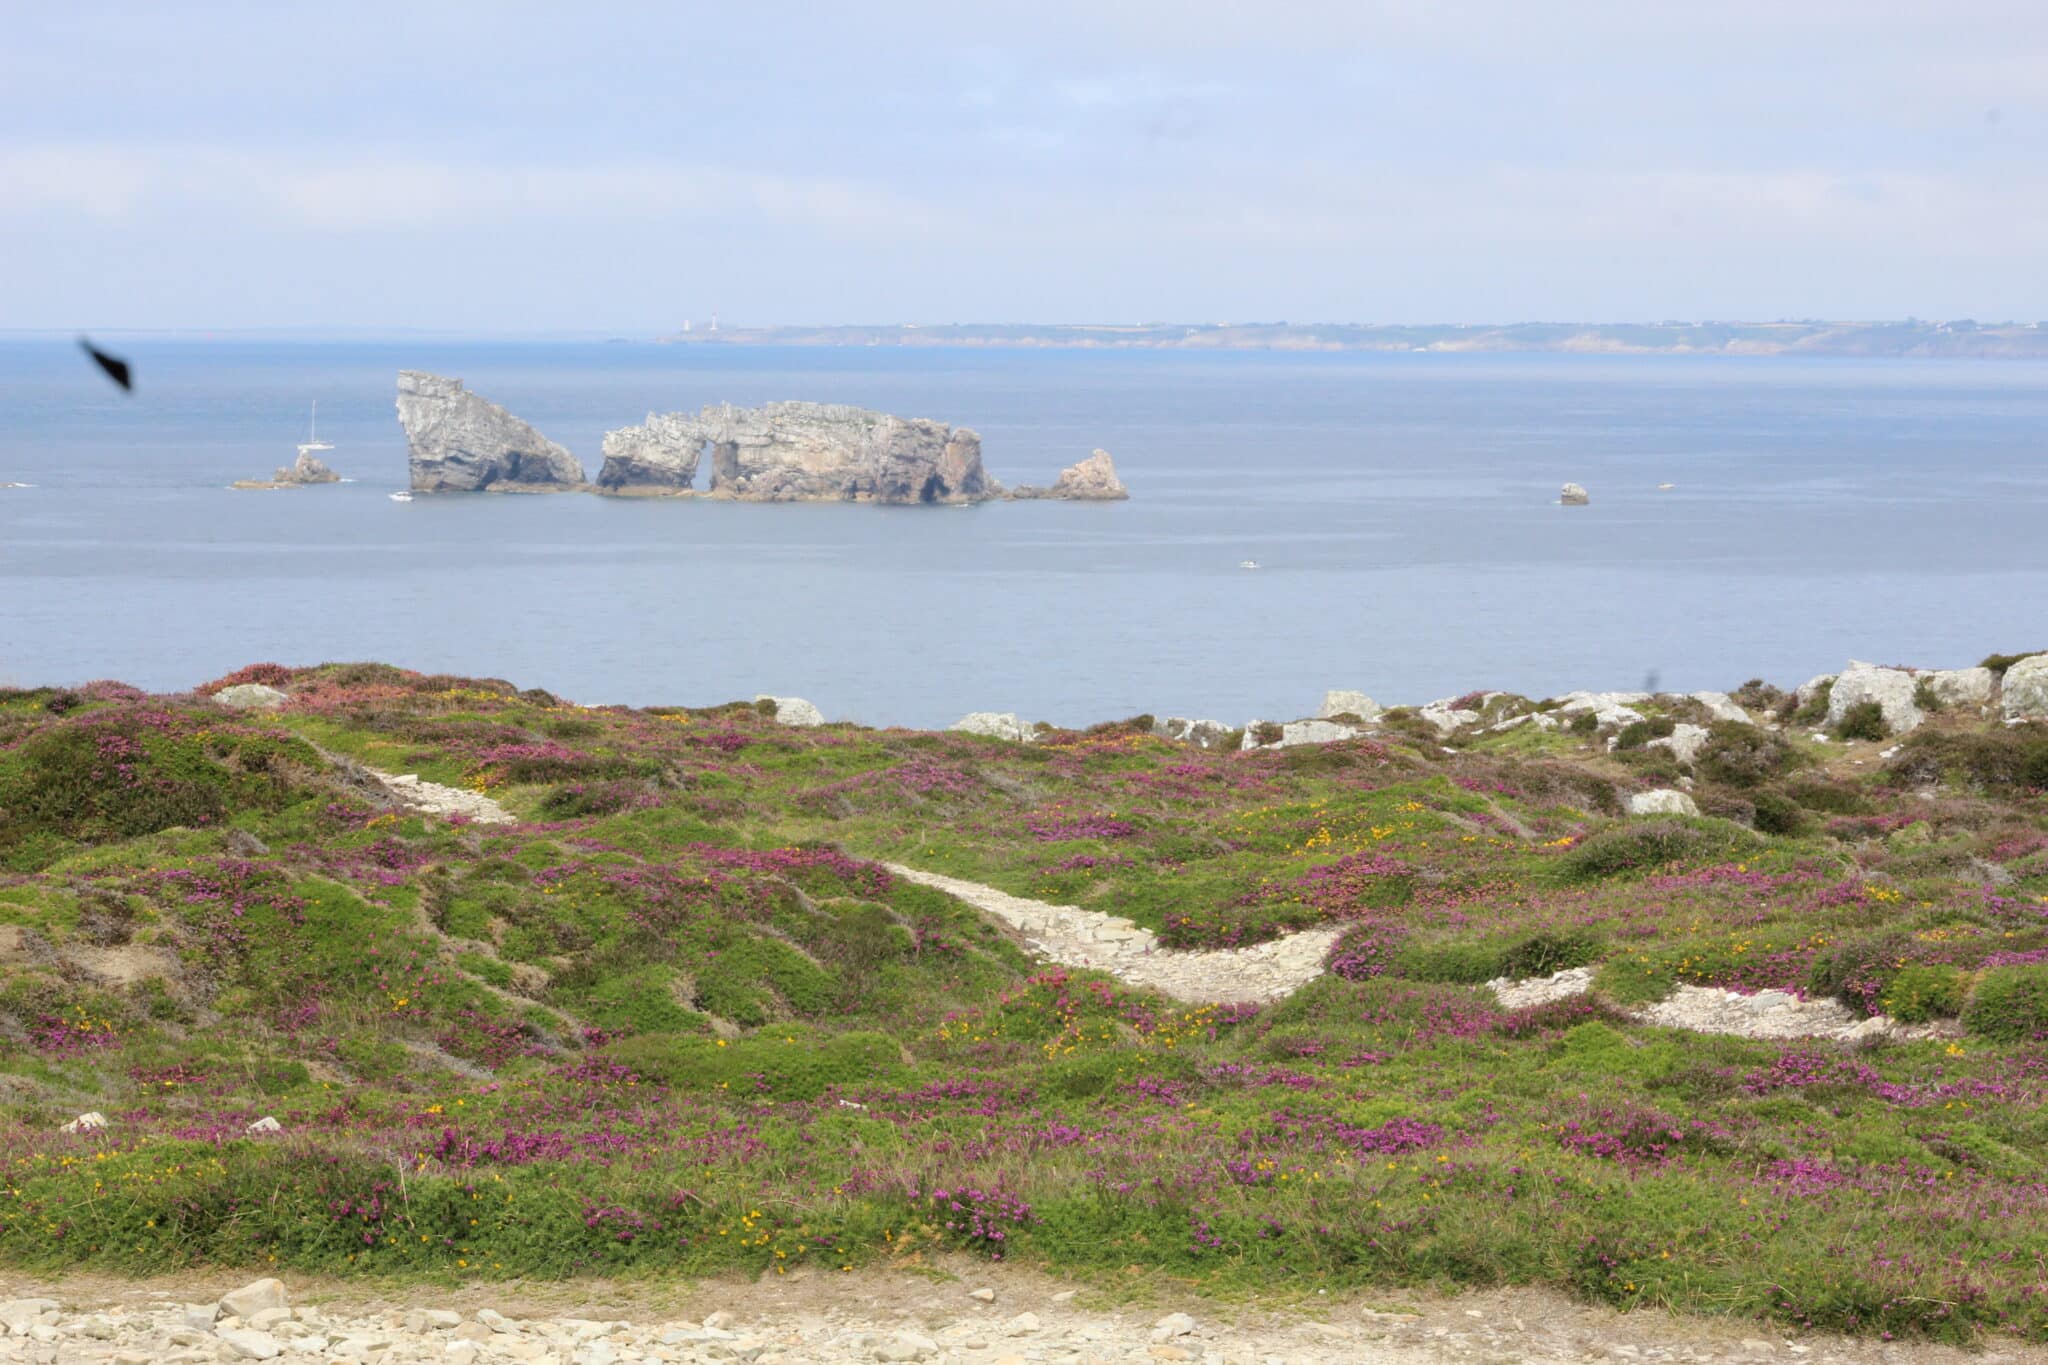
column 1572, row 495
column 995, row 725
column 245, row 1343
column 1891, row 688
column 1721, row 706
column 2024, row 693
column 1092, row 480
column 1447, row 718
column 1963, row 687
column 794, row 711
column 1684, row 742
column 89, row 1122
column 1608, row 708
column 251, row 697
column 252, row 1298
column 463, row 443
column 1808, row 690
column 1342, row 703
column 1203, row 734
column 266, row 1124
column 1663, row 801
column 802, row 452
column 1297, row 732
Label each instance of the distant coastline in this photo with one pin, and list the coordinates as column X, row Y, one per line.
column 1960, row 338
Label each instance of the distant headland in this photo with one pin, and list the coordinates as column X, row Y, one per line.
column 461, row 442
column 1912, row 337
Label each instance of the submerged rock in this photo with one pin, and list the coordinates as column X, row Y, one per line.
column 800, row 452
column 1092, row 480
column 463, row 443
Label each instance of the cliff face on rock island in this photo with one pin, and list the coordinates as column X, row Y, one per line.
column 465, row 443
column 800, row 452
column 1092, row 480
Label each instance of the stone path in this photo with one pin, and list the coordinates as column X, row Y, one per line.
column 1075, row 937
column 999, row 1316
column 434, row 799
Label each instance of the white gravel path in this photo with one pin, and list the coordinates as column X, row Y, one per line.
column 1075, row 937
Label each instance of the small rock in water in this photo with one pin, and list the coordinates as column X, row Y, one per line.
column 1573, row 495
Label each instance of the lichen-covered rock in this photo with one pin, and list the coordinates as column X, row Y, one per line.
column 1811, row 688
column 1891, row 688
column 794, row 711
column 1203, row 734
column 2024, row 693
column 1721, row 706
column 1663, row 801
column 1684, row 742
column 1447, row 718
column 1572, row 495
column 1967, row 687
column 1092, row 480
column 1346, row 703
column 461, row 442
column 251, row 697
column 1265, row 735
column 802, row 452
column 995, row 725
column 661, row 454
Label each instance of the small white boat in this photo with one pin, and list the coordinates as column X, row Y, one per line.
column 313, row 441
column 1248, row 564
column 400, row 496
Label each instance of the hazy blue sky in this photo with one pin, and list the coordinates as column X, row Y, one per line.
column 511, row 167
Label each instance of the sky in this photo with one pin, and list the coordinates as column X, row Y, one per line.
column 615, row 167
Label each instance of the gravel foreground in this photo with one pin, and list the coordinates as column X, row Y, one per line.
column 1000, row 1317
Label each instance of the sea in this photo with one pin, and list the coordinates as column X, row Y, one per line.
column 1750, row 517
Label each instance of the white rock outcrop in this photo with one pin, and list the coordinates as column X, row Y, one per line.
column 1891, row 688
column 1808, row 690
column 1608, row 708
column 1961, row 687
column 1203, row 734
column 1091, row 480
column 995, row 725
column 266, row 1124
column 1297, row 732
column 1448, row 719
column 251, row 697
column 90, row 1121
column 794, row 711
column 1721, row 706
column 2024, row 693
column 1684, row 742
column 1663, row 801
column 1573, row 495
column 1341, row 702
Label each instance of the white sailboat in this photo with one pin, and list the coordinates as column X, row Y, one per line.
column 313, row 441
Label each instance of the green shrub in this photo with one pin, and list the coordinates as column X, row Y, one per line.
column 1633, row 847
column 1998, row 663
column 2010, row 1004
column 1920, row 993
column 1637, row 733
column 1545, row 952
column 1757, row 695
column 1859, row 971
column 1998, row 760
column 1744, row 755
column 1464, row 961
column 1814, row 709
column 787, row 1063
column 1778, row 814
column 1830, row 797
column 1864, row 720
column 1584, row 723
column 1925, row 697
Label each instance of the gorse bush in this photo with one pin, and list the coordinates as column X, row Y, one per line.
column 1744, row 755
column 1997, row 760
column 1633, row 847
column 1998, row 663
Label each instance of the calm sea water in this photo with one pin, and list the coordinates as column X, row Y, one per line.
column 1403, row 508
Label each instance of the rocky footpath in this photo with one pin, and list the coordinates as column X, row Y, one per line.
column 995, row 1316
column 461, row 442
column 800, row 452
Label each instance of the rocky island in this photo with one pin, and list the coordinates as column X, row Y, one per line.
column 777, row 452
column 307, row 469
